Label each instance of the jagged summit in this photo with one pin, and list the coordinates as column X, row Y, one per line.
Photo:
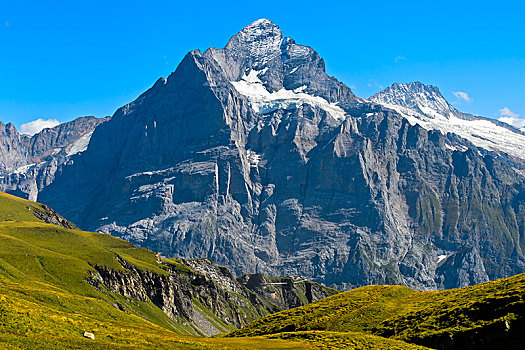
column 425, row 105
column 260, row 54
column 260, row 41
column 262, row 21
column 416, row 96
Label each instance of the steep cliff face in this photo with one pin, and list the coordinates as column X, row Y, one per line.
column 12, row 153
column 204, row 297
column 28, row 164
column 284, row 292
column 254, row 157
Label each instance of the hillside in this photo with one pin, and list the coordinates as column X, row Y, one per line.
column 57, row 283
column 486, row 316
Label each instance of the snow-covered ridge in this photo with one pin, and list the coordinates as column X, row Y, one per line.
column 424, row 105
column 481, row 132
column 264, row 102
column 416, row 96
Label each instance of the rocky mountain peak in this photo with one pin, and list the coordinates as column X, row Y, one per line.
column 417, row 96
column 425, row 105
column 260, row 41
column 260, row 60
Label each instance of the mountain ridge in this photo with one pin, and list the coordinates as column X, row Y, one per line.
column 426, row 106
column 29, row 163
column 484, row 316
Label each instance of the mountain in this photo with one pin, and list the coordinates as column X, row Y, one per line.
column 486, row 316
column 59, row 282
column 424, row 105
column 27, row 164
column 252, row 156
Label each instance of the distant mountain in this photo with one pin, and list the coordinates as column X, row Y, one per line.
column 12, row 152
column 27, row 164
column 424, row 105
column 254, row 157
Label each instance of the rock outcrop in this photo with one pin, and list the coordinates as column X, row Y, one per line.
column 12, row 150
column 48, row 215
column 206, row 298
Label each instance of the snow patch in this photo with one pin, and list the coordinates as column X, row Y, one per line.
column 81, row 144
column 23, row 169
column 450, row 147
column 300, row 89
column 441, row 258
column 253, row 76
column 264, row 102
column 253, row 158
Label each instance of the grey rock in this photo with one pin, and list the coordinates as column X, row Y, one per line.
column 30, row 163
column 188, row 294
column 424, row 105
column 89, row 335
column 12, row 150
column 48, row 215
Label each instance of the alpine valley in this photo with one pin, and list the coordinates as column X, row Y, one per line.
column 253, row 157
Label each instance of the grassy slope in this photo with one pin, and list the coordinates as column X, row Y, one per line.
column 402, row 313
column 358, row 310
column 46, row 303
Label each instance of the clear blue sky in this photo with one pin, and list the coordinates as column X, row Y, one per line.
column 65, row 59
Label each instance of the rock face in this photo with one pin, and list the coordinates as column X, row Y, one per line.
column 48, row 215
column 254, row 157
column 12, row 150
column 27, row 164
column 193, row 288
